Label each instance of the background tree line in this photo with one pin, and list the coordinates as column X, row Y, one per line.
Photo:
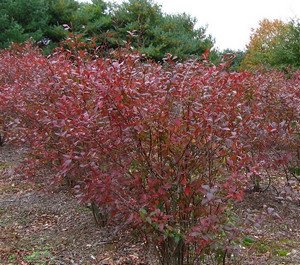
column 143, row 24
column 274, row 44
column 139, row 21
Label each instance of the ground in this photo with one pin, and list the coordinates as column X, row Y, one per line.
column 38, row 227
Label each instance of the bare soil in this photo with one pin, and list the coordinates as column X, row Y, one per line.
column 38, row 227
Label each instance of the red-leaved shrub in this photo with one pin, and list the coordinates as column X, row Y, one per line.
column 162, row 149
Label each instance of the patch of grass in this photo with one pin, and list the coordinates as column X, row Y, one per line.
column 281, row 252
column 263, row 247
column 260, row 247
column 248, row 241
column 39, row 257
column 287, row 241
column 12, row 258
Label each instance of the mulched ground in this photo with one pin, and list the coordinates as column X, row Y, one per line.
column 52, row 228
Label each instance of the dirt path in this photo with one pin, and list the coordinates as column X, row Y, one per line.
column 52, row 228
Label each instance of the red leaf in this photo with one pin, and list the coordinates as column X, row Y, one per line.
column 187, row 190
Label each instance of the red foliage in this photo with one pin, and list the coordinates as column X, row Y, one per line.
column 160, row 148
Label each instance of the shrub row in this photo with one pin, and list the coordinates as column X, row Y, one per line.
column 162, row 149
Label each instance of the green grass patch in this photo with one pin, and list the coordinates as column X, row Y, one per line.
column 12, row 258
column 263, row 247
column 248, row 241
column 39, row 257
column 281, row 252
